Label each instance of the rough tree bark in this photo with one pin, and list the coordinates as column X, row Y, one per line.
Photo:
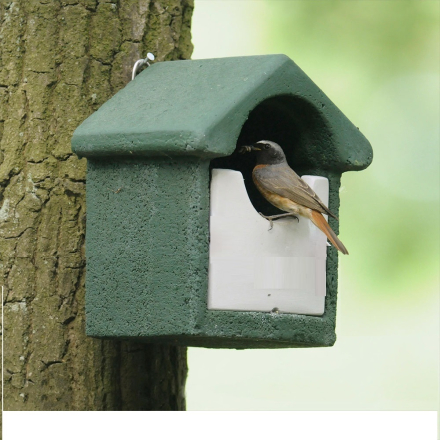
column 60, row 60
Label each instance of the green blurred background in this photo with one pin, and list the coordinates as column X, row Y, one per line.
column 378, row 61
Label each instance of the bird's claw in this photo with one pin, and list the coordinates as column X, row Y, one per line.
column 271, row 218
column 268, row 219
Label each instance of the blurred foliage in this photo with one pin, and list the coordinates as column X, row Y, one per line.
column 392, row 34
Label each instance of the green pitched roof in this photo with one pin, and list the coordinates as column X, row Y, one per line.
column 199, row 107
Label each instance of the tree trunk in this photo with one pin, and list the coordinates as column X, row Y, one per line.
column 60, row 60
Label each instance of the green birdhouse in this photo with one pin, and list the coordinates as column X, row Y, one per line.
column 176, row 249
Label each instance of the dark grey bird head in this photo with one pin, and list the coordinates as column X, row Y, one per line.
column 268, row 152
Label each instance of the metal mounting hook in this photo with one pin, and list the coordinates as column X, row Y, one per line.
column 140, row 63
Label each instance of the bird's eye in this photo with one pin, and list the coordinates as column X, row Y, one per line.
column 266, row 146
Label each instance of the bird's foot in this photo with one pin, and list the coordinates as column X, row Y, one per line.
column 271, row 218
column 268, row 218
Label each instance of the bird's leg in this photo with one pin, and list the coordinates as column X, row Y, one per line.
column 271, row 218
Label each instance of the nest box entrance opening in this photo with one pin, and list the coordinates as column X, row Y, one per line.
column 290, row 121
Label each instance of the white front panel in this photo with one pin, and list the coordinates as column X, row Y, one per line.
column 254, row 269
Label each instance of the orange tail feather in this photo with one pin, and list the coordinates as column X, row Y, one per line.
column 318, row 219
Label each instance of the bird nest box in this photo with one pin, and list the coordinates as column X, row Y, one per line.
column 176, row 250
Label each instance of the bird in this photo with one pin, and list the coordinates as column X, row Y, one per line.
column 284, row 189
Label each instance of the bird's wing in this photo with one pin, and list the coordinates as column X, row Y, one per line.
column 282, row 180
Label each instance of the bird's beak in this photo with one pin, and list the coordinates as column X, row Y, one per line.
column 249, row 148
